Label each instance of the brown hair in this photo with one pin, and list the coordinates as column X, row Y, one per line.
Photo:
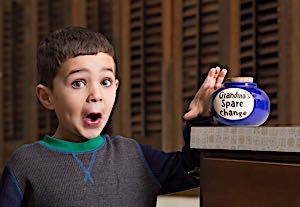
column 64, row 44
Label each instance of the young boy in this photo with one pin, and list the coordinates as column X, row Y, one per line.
column 78, row 165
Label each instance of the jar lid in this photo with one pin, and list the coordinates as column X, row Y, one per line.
column 240, row 79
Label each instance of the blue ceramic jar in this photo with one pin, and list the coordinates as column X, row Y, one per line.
column 240, row 103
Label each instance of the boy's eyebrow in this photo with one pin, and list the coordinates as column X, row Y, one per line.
column 75, row 71
column 109, row 69
column 84, row 69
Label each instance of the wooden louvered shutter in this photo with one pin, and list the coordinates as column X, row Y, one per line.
column 92, row 14
column 146, row 70
column 209, row 34
column 260, row 48
column 58, row 14
column 190, row 50
column 7, row 90
column 137, row 69
column 13, row 70
column 99, row 16
column 105, row 18
column 43, row 22
column 153, row 68
column 248, row 36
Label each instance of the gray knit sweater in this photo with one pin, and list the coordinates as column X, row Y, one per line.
column 101, row 172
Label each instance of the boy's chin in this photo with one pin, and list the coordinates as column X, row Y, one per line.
column 91, row 135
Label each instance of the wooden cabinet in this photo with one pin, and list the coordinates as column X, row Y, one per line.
column 247, row 179
column 246, row 167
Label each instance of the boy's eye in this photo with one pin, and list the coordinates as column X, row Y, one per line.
column 106, row 82
column 78, row 84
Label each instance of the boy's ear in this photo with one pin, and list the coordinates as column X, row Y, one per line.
column 44, row 95
column 117, row 83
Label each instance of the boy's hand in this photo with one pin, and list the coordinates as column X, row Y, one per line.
column 200, row 103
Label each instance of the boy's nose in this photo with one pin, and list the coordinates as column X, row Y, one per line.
column 95, row 95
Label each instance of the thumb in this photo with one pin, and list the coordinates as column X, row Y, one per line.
column 191, row 114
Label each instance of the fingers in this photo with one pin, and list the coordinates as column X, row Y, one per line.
column 215, row 78
column 210, row 79
column 220, row 78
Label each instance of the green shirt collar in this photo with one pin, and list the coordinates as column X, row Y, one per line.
column 66, row 146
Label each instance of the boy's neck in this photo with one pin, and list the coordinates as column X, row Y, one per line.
column 69, row 137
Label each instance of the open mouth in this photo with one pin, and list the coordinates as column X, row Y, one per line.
column 92, row 119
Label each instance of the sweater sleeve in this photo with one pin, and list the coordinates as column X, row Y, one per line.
column 172, row 169
column 10, row 193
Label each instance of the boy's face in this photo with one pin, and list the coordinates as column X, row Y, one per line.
column 83, row 95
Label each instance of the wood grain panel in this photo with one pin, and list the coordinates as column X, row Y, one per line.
column 248, row 182
column 137, row 68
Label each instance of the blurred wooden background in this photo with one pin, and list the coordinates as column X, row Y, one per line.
column 164, row 48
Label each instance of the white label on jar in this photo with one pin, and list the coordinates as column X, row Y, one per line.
column 233, row 103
